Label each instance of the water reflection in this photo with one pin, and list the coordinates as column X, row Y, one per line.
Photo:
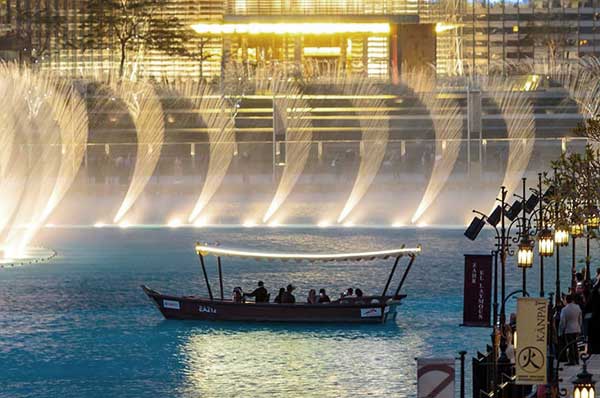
column 241, row 360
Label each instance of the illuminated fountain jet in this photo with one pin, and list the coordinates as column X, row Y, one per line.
column 51, row 129
column 447, row 123
column 147, row 114
column 217, row 116
column 372, row 114
column 291, row 114
column 517, row 111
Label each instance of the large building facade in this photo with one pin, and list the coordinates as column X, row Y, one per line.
column 377, row 38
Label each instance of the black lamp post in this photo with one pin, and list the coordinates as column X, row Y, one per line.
column 545, row 238
column 561, row 236
column 577, row 230
column 584, row 386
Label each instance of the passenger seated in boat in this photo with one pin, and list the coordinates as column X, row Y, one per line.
column 238, row 295
column 312, row 297
column 288, row 297
column 323, row 297
column 279, row 297
column 359, row 297
column 260, row 294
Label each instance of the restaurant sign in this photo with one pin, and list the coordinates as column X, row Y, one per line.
column 477, row 290
column 532, row 332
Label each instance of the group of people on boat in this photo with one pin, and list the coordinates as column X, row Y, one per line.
column 286, row 295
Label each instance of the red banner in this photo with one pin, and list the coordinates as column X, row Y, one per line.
column 478, row 290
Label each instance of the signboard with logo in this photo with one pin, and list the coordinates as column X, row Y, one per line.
column 435, row 377
column 370, row 312
column 477, row 290
column 532, row 332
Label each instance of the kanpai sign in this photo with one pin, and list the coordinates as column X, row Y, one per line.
column 531, row 350
column 477, row 290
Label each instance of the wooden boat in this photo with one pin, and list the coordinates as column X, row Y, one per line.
column 367, row 309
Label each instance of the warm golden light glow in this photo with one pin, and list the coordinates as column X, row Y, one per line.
column 576, row 230
column 546, row 243
column 174, row 223
column 561, row 237
column 322, row 51
column 525, row 255
column 249, row 223
column 220, row 251
column 443, row 27
column 308, row 28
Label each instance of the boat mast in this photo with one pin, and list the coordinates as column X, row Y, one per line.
column 205, row 275
column 387, row 284
column 412, row 260
column 220, row 275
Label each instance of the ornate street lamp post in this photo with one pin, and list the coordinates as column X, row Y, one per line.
column 545, row 238
column 584, row 386
column 561, row 238
column 577, row 230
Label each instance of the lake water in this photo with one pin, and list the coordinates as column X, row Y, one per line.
column 80, row 326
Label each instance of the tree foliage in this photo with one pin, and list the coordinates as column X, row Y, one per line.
column 133, row 25
column 576, row 188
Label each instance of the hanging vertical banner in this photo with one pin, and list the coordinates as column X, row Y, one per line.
column 532, row 332
column 477, row 290
column 435, row 378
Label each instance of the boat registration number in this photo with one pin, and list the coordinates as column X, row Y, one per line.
column 370, row 312
column 207, row 308
column 171, row 304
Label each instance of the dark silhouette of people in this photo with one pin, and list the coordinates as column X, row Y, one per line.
column 260, row 294
column 359, row 296
column 312, row 297
column 279, row 298
column 347, row 293
column 323, row 297
column 594, row 323
column 237, row 295
column 288, row 297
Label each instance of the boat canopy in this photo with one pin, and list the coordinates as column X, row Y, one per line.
column 204, row 249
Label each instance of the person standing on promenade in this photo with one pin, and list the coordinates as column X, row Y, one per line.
column 570, row 328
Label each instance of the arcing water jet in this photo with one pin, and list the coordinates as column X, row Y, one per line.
column 447, row 123
column 294, row 113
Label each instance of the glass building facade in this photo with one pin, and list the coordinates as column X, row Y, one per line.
column 377, row 38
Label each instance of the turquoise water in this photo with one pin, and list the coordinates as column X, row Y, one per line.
column 80, row 326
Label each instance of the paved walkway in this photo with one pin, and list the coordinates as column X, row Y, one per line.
column 568, row 373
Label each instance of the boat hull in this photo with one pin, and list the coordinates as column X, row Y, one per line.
column 198, row 308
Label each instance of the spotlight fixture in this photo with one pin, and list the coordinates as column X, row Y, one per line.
column 531, row 203
column 514, row 210
column 474, row 228
column 494, row 218
column 549, row 193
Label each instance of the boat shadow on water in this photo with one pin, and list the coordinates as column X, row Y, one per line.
column 343, row 331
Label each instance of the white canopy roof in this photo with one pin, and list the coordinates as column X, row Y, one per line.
column 204, row 250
